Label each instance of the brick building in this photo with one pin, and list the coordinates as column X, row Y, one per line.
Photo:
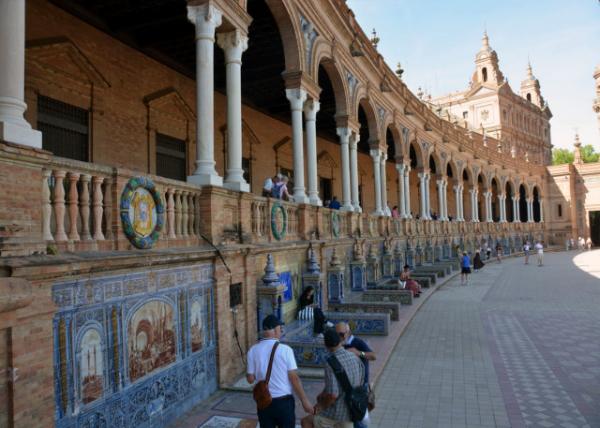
column 134, row 143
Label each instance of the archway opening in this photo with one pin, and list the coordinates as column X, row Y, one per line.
column 536, row 205
column 326, row 126
column 363, row 143
column 522, row 204
column 494, row 197
column 510, row 213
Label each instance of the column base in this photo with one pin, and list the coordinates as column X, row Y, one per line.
column 315, row 200
column 377, row 212
column 347, row 208
column 206, row 179
column 11, row 132
column 237, row 186
column 357, row 209
column 300, row 197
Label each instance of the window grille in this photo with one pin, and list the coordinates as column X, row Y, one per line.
column 170, row 157
column 64, row 127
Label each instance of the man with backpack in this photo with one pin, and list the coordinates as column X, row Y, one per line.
column 343, row 401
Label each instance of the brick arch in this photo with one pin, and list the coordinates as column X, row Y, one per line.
column 397, row 137
column 438, row 161
column 369, row 110
column 340, row 91
column 288, row 24
column 420, row 154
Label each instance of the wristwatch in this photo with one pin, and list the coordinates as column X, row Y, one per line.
column 362, row 354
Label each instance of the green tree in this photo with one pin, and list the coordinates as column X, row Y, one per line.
column 561, row 156
column 588, row 154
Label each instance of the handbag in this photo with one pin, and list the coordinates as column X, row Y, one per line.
column 371, row 399
column 356, row 397
column 260, row 392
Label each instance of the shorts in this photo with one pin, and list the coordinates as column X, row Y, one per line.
column 323, row 422
column 466, row 270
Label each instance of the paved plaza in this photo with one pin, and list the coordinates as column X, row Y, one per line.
column 519, row 346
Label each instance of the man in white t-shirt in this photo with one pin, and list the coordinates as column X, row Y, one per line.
column 539, row 247
column 284, row 377
column 526, row 249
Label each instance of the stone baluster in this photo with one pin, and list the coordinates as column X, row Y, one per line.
column 184, row 213
column 108, row 208
column 170, row 214
column 46, row 207
column 84, row 207
column 178, row 216
column 73, row 206
column 191, row 215
column 59, row 206
column 97, row 207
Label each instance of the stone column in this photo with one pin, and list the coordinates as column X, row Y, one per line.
column 234, row 44
column 382, row 172
column 297, row 97
column 428, row 197
column 502, row 204
column 206, row 19
column 311, row 107
column 422, row 183
column 458, row 199
column 530, row 210
column 440, row 190
column 487, row 197
column 377, row 176
column 13, row 126
column 354, row 172
column 401, row 203
column 516, row 218
column 407, row 191
column 344, row 134
column 541, row 210
column 474, row 214
column 446, row 200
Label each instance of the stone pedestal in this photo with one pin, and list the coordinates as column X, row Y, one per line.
column 398, row 262
column 335, row 280
column 372, row 268
column 312, row 277
column 270, row 294
column 387, row 263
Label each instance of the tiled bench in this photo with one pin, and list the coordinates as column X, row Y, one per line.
column 403, row 297
column 369, row 308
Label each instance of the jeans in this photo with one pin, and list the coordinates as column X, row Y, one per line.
column 360, row 425
column 280, row 414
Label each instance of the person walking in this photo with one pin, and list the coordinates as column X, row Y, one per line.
column 477, row 262
column 280, row 374
column 488, row 252
column 526, row 249
column 499, row 252
column 465, row 264
column 540, row 253
column 588, row 243
column 331, row 410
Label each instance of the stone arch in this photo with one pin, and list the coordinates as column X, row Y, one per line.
column 536, row 195
column 435, row 163
column 416, row 155
column 340, row 91
column 288, row 25
column 369, row 133
column 394, row 142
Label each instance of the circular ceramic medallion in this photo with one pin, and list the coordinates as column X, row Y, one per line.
column 335, row 224
column 278, row 221
column 142, row 212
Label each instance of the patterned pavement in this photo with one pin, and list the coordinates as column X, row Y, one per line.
column 518, row 347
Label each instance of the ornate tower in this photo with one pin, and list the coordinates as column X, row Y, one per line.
column 596, row 105
column 530, row 89
column 487, row 71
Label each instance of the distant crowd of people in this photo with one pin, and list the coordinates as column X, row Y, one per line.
column 581, row 244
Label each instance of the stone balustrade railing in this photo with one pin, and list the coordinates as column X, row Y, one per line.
column 80, row 211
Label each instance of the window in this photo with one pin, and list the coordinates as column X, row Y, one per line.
column 484, row 74
column 170, row 157
column 529, row 97
column 560, row 210
column 247, row 173
column 325, row 188
column 465, row 114
column 64, row 127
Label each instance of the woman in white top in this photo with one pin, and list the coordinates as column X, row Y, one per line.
column 540, row 253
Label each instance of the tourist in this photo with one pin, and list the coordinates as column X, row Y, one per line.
column 331, row 410
column 361, row 349
column 283, row 380
column 267, row 190
column 572, row 242
column 283, row 190
column 307, row 298
column 326, row 203
column 580, row 243
column 335, row 204
column 434, row 216
column 488, row 252
column 276, row 188
column 588, row 243
column 477, row 262
column 465, row 264
column 526, row 249
column 395, row 213
column 540, row 253
column 409, row 283
column 499, row 252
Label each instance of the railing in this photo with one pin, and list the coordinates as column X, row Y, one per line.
column 80, row 210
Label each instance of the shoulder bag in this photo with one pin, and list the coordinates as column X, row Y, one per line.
column 357, row 398
column 260, row 392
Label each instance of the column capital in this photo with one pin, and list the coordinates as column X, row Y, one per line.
column 296, row 97
column 375, row 153
column 311, row 107
column 344, row 133
column 400, row 167
column 206, row 18
column 234, row 43
column 383, row 156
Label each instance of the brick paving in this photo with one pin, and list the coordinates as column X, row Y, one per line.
column 518, row 347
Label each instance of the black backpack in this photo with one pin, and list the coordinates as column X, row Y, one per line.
column 357, row 398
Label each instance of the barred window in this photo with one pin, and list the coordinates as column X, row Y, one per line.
column 170, row 157
column 64, row 127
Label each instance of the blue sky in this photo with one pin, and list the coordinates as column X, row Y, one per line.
column 436, row 42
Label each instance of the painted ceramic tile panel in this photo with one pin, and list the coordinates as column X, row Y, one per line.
column 91, row 366
column 151, row 339
column 197, row 326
